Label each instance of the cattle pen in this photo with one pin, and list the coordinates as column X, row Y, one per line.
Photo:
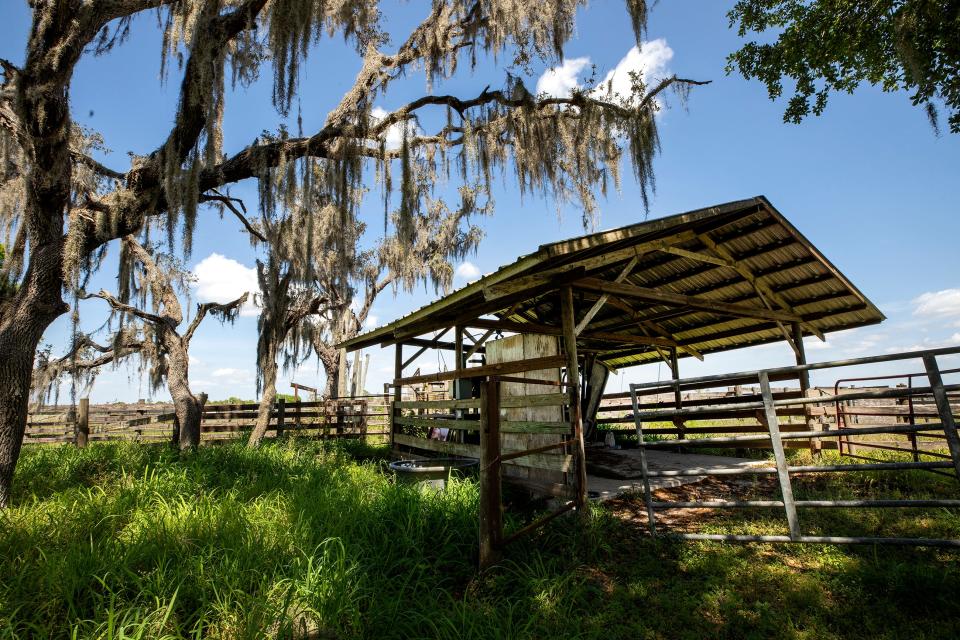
column 546, row 331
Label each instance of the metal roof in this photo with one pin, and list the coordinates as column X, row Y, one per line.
column 713, row 279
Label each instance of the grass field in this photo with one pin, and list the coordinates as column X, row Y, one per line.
column 298, row 540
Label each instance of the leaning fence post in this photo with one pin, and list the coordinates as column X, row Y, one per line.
column 281, row 405
column 491, row 514
column 943, row 408
column 81, row 424
column 783, row 472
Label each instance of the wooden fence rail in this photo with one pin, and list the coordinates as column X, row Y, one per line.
column 361, row 417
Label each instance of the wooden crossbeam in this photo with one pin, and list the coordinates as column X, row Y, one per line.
column 543, row 329
column 585, row 320
column 680, row 300
column 561, row 275
column 650, row 327
column 693, row 255
column 432, row 343
column 517, row 366
column 766, row 294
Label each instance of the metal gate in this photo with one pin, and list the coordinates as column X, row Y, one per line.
column 783, row 470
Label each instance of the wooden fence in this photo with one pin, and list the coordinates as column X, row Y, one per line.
column 360, row 417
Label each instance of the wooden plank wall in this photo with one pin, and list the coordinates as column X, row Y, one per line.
column 526, row 347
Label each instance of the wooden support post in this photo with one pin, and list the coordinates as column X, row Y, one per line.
column 341, row 388
column 491, row 510
column 943, row 408
column 281, row 409
column 816, row 445
column 82, row 427
column 679, row 423
column 573, row 382
column 397, row 389
column 459, row 364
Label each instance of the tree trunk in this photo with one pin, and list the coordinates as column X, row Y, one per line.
column 16, row 365
column 266, row 401
column 44, row 107
column 186, row 405
column 331, row 367
column 23, row 319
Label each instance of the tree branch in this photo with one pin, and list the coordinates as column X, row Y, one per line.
column 225, row 308
column 228, row 201
column 126, row 308
column 163, row 294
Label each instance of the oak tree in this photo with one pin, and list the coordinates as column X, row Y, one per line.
column 61, row 207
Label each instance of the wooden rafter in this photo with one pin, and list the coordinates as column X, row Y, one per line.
column 693, row 255
column 534, row 327
column 560, row 276
column 768, row 295
column 649, row 327
column 432, row 343
column 588, row 316
column 680, row 300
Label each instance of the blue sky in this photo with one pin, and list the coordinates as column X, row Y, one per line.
column 868, row 183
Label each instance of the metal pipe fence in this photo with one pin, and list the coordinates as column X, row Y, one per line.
column 767, row 409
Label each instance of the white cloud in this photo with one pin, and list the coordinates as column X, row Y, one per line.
column 560, row 81
column 394, row 132
column 222, row 279
column 371, row 321
column 226, row 372
column 938, row 303
column 232, row 375
column 650, row 61
column 468, row 271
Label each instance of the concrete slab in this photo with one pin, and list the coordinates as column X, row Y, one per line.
column 604, row 488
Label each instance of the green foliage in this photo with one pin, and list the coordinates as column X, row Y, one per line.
column 836, row 45
column 297, row 539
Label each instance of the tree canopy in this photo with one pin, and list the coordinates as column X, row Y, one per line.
column 826, row 46
column 60, row 208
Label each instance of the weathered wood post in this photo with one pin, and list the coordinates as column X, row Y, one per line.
column 82, row 427
column 397, row 390
column 202, row 397
column 491, row 511
column 816, row 445
column 364, row 411
column 281, row 409
column 678, row 422
column 573, row 380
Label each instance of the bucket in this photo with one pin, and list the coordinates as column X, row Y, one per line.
column 432, row 473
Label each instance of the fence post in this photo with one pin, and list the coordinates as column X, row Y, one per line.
column 82, row 426
column 783, row 472
column 202, row 399
column 943, row 408
column 491, row 514
column 281, row 405
column 364, row 411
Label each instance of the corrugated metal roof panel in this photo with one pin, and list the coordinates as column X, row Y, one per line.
column 760, row 261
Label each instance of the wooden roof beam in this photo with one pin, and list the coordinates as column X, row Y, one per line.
column 679, row 300
column 543, row 329
column 648, row 326
column 588, row 316
column 766, row 294
column 700, row 257
column 434, row 343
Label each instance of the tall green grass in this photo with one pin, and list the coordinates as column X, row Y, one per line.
column 302, row 540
